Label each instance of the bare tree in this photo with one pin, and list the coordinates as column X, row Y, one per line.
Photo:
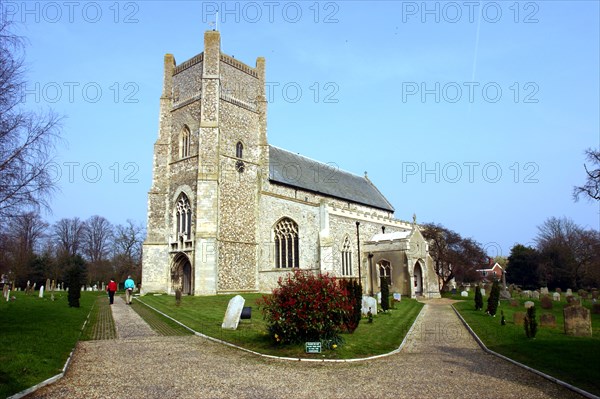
column 96, row 240
column 27, row 138
column 591, row 188
column 68, row 234
column 128, row 249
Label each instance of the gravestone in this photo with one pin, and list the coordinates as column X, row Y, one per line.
column 505, row 294
column 464, row 294
column 246, row 313
column 518, row 318
column 233, row 313
column 369, row 302
column 7, row 295
column 546, row 302
column 544, row 291
column 379, row 297
column 526, row 293
column 571, row 300
column 453, row 291
column 547, row 320
column 53, row 286
column 569, row 291
column 556, row 296
column 535, row 295
column 397, row 296
column 578, row 322
column 42, row 291
column 483, row 291
column 47, row 284
column 529, row 304
column 5, row 290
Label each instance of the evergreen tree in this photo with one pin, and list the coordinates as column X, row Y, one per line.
column 75, row 279
column 385, row 294
column 358, row 303
column 530, row 323
column 478, row 299
column 493, row 299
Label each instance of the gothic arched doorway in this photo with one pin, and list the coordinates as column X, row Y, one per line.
column 418, row 279
column 181, row 274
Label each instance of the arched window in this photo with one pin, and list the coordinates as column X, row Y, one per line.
column 183, row 217
column 286, row 244
column 346, row 258
column 239, row 150
column 385, row 271
column 184, row 143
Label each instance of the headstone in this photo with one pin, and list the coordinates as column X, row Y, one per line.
column 47, row 284
column 246, row 313
column 368, row 302
column 535, row 295
column 571, row 300
column 464, row 294
column 42, row 291
column 7, row 295
column 5, row 290
column 544, row 291
column 546, row 302
column 578, row 322
column 483, row 291
column 547, row 320
column 53, row 286
column 556, row 296
column 505, row 294
column 583, row 294
column 233, row 313
column 379, row 297
column 569, row 291
column 454, row 291
column 518, row 318
column 397, row 296
column 526, row 293
column 529, row 304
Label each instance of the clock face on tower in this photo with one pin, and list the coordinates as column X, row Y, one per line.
column 239, row 166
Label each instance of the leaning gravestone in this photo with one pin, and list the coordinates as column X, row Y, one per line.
column 369, row 302
column 556, row 296
column 518, row 318
column 529, row 304
column 233, row 313
column 464, row 294
column 42, row 291
column 547, row 320
column 578, row 322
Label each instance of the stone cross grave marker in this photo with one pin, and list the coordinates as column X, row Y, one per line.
column 233, row 313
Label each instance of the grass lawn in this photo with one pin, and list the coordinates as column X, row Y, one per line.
column 37, row 335
column 205, row 315
column 572, row 359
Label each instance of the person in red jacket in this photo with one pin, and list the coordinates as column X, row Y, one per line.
column 111, row 288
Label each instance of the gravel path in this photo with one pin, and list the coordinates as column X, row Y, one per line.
column 440, row 360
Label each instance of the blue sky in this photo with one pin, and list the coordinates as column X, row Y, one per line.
column 474, row 115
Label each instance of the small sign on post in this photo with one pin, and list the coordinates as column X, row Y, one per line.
column 313, row 347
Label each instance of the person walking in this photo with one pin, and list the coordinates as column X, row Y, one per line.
column 111, row 288
column 129, row 286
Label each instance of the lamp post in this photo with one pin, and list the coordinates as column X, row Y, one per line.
column 371, row 271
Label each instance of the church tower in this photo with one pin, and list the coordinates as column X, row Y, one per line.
column 209, row 161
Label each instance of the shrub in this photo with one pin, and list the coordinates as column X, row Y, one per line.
column 385, row 294
column 493, row 299
column 352, row 318
column 530, row 323
column 306, row 307
column 478, row 299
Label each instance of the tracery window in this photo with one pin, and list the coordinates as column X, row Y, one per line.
column 286, row 244
column 183, row 217
column 346, row 257
column 184, row 143
column 385, row 271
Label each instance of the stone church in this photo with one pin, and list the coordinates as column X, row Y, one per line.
column 228, row 212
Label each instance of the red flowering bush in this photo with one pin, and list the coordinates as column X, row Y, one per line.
column 306, row 307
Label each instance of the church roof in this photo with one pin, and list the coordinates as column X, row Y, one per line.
column 397, row 235
column 301, row 172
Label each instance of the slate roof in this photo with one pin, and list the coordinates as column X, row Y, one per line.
column 304, row 173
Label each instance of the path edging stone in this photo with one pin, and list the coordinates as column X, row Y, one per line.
column 546, row 376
